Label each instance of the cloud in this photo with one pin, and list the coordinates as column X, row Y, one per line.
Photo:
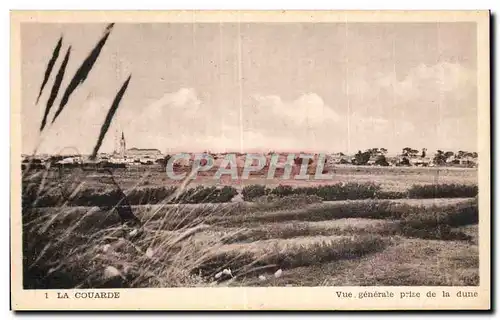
column 431, row 106
column 443, row 77
column 183, row 100
column 180, row 120
column 424, row 98
column 308, row 108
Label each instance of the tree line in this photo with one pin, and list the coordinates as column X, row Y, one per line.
column 378, row 156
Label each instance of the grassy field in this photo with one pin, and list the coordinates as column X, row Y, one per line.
column 390, row 178
column 363, row 242
column 369, row 241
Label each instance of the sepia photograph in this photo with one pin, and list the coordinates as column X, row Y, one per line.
column 248, row 150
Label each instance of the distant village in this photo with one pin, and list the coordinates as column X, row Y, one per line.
column 123, row 157
column 120, row 157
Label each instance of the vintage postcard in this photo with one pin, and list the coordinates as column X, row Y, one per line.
column 250, row 160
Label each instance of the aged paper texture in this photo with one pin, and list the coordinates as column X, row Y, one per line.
column 247, row 160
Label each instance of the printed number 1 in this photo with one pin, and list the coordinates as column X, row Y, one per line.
column 46, row 295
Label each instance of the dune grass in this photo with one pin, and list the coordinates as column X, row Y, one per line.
column 276, row 254
column 442, row 191
column 436, row 222
column 43, row 189
column 292, row 229
column 67, row 247
column 367, row 190
column 184, row 245
column 366, row 209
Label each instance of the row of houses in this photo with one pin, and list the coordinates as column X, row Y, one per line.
column 133, row 156
column 136, row 156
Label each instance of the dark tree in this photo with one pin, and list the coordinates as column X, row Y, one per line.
column 405, row 162
column 362, row 158
column 439, row 158
column 448, row 154
column 381, row 161
column 409, row 152
column 424, row 153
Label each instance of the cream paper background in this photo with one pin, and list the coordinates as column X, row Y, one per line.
column 281, row 298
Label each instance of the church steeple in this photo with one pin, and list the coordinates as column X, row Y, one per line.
column 123, row 146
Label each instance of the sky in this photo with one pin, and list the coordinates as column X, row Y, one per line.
column 255, row 87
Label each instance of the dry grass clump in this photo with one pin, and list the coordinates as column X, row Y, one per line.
column 291, row 253
column 68, row 247
column 443, row 191
column 436, row 222
column 51, row 195
column 288, row 230
column 362, row 190
column 321, row 212
column 57, row 257
column 273, row 202
column 339, row 191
